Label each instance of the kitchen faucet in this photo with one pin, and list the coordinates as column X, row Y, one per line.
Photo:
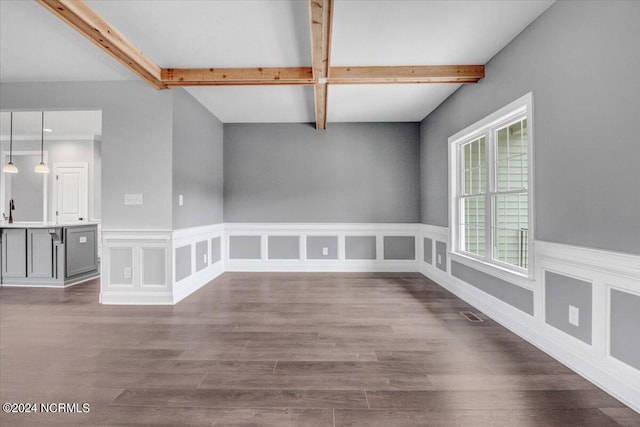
column 12, row 207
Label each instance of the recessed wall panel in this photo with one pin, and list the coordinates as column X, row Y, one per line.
column 183, row 262
column 81, row 250
column 154, row 266
column 121, row 266
column 399, row 247
column 428, row 250
column 561, row 292
column 284, row 247
column 215, row 250
column 360, row 247
column 441, row 255
column 322, row 247
column 625, row 319
column 244, row 247
column 202, row 255
column 514, row 295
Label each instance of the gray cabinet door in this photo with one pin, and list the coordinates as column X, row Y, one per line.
column 14, row 253
column 39, row 253
column 81, row 250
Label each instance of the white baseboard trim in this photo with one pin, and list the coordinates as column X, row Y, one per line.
column 39, row 285
column 136, row 298
column 621, row 387
column 189, row 285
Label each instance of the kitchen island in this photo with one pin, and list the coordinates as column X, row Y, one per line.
column 48, row 254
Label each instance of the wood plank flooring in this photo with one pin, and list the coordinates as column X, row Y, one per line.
column 284, row 349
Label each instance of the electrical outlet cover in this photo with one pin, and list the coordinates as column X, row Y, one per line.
column 574, row 315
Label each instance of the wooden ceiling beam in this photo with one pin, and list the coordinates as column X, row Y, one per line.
column 321, row 14
column 77, row 14
column 407, row 74
column 86, row 21
column 416, row 74
column 237, row 76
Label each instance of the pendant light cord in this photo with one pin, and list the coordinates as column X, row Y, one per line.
column 11, row 140
column 42, row 140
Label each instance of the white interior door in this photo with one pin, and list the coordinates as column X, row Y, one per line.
column 71, row 191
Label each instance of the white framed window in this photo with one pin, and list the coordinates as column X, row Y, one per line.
column 491, row 190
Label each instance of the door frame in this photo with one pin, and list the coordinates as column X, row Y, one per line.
column 56, row 166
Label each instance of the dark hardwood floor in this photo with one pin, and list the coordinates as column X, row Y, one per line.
column 284, row 350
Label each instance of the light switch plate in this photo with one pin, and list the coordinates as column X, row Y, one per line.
column 180, row 200
column 133, row 199
column 325, row 251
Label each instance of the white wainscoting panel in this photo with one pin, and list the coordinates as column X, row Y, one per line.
column 339, row 230
column 604, row 269
column 197, row 279
column 125, row 255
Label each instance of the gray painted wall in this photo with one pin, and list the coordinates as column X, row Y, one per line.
column 562, row 291
column 283, row 247
column 352, row 172
column 95, row 179
column 514, row 295
column 625, row 318
column 136, row 137
column 399, row 247
column 360, row 247
column 197, row 163
column 585, row 157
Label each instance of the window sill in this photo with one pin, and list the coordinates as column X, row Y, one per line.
column 524, row 280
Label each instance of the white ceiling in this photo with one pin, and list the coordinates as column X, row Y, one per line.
column 63, row 125
column 36, row 46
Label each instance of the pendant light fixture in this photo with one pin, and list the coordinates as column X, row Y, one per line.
column 10, row 167
column 41, row 167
